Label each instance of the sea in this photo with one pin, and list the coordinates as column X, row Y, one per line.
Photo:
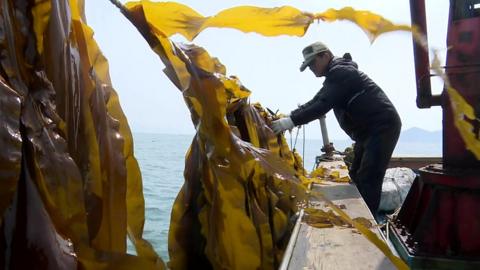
column 162, row 158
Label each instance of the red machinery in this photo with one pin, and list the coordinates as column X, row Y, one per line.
column 438, row 226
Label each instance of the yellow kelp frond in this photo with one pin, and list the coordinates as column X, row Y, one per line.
column 284, row 20
column 133, row 198
column 41, row 16
column 234, row 87
column 320, row 219
column 298, row 164
column 169, row 18
column 131, row 194
column 239, row 194
column 462, row 112
column 318, row 172
column 372, row 24
column 69, row 152
column 334, row 173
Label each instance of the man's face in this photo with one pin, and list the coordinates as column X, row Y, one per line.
column 319, row 65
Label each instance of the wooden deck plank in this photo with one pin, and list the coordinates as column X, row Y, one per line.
column 337, row 247
column 333, row 248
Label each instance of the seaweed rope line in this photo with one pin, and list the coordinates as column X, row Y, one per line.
column 124, row 11
column 118, row 4
column 303, row 145
column 296, row 138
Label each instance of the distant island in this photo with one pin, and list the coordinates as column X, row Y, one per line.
column 412, row 142
column 419, row 142
column 418, row 135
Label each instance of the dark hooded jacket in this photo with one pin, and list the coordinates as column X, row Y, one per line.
column 360, row 105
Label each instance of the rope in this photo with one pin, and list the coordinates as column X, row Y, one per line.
column 118, row 5
column 303, row 145
column 141, row 27
column 296, row 138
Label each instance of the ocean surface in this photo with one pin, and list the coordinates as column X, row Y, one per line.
column 162, row 157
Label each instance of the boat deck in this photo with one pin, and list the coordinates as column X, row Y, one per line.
column 337, row 247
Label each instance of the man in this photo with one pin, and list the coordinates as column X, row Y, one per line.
column 363, row 111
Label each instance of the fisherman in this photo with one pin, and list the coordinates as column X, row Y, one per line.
column 363, row 111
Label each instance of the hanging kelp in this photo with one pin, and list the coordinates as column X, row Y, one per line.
column 238, row 198
column 71, row 188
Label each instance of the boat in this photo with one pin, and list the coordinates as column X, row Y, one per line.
column 72, row 191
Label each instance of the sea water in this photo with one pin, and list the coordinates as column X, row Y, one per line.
column 162, row 160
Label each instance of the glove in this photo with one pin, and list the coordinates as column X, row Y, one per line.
column 282, row 124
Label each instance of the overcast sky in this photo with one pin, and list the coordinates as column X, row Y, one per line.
column 269, row 66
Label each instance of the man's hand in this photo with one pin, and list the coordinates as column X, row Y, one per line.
column 282, row 124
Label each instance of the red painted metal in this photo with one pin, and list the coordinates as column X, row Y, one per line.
column 463, row 70
column 421, row 59
column 440, row 217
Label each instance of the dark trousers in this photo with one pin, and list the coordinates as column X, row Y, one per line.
column 372, row 155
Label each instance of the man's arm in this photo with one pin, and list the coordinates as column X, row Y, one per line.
column 330, row 95
column 313, row 100
column 336, row 91
column 321, row 103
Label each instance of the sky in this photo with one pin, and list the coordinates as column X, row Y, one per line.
column 268, row 66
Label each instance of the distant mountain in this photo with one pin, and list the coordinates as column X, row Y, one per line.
column 412, row 142
column 419, row 142
column 418, row 135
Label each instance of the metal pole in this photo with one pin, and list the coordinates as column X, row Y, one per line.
column 425, row 99
column 323, row 128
